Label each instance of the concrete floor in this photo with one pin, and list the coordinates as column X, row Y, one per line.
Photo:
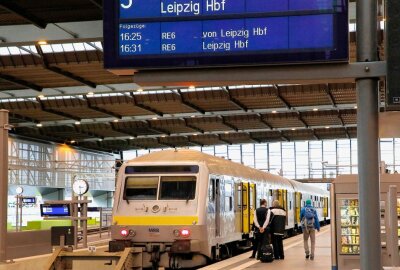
column 294, row 256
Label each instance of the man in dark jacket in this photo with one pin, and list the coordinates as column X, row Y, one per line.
column 262, row 216
column 278, row 229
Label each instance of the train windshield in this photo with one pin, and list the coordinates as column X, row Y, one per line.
column 141, row 188
column 177, row 187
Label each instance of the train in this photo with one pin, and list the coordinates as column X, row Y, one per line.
column 185, row 208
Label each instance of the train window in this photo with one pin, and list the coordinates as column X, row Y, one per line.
column 290, row 205
column 228, row 204
column 252, row 197
column 177, row 187
column 141, row 188
column 162, row 169
column 211, row 190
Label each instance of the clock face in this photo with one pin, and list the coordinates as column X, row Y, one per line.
column 80, row 187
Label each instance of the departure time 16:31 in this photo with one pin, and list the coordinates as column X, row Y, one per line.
column 131, row 48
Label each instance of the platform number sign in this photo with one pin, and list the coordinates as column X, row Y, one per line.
column 128, row 4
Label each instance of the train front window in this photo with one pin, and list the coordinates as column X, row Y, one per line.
column 141, row 188
column 177, row 187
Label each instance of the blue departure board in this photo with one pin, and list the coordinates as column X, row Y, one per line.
column 142, row 34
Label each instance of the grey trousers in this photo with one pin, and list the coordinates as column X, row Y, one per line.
column 309, row 234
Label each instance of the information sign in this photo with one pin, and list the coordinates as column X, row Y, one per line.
column 194, row 33
column 55, row 210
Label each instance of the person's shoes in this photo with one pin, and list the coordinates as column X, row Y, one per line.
column 282, row 258
column 252, row 257
column 307, row 256
column 312, row 257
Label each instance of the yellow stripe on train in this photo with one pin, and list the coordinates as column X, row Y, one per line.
column 156, row 220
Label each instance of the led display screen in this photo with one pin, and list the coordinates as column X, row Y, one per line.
column 143, row 34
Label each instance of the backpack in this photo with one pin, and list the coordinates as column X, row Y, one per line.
column 308, row 219
column 267, row 253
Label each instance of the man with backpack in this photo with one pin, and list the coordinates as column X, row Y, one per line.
column 309, row 223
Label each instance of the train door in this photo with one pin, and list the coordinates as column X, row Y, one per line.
column 245, row 208
column 326, row 203
column 297, row 207
column 217, row 207
column 253, row 199
column 280, row 197
column 238, row 207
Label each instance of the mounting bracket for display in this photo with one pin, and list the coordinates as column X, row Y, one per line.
column 293, row 74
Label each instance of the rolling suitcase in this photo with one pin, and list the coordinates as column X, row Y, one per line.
column 267, row 253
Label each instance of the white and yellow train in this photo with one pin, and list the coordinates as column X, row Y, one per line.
column 185, row 208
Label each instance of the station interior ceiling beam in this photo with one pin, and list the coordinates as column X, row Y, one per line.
column 14, row 8
column 21, row 82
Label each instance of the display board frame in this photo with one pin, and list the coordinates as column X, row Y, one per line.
column 113, row 60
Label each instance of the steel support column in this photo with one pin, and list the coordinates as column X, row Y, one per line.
column 368, row 139
column 3, row 182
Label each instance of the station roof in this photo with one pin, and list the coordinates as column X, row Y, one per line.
column 60, row 92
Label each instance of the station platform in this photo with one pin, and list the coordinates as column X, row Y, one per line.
column 294, row 256
column 41, row 260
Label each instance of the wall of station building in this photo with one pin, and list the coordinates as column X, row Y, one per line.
column 300, row 159
column 46, row 171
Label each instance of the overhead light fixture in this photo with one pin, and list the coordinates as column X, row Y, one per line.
column 327, row 127
column 39, row 125
column 193, row 116
column 42, row 42
column 192, row 87
column 73, row 141
column 195, row 134
column 163, row 136
column 274, row 111
column 40, row 96
column 131, row 138
column 293, row 129
column 77, row 123
column 100, row 140
column 116, row 120
column 154, row 118
column 315, row 109
column 226, row 132
column 90, row 94
column 355, row 107
column 139, row 90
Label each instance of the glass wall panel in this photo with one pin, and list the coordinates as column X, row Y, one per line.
column 387, row 153
column 261, row 157
column 344, row 156
column 302, row 160
column 288, row 160
column 234, row 153
column 315, row 153
column 275, row 158
column 248, row 155
column 221, row 151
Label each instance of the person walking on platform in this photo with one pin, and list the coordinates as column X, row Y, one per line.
column 278, row 229
column 262, row 217
column 309, row 223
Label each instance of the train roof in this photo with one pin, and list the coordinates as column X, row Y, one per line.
column 308, row 188
column 221, row 166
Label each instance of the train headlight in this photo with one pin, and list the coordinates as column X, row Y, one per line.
column 185, row 232
column 177, row 233
column 124, row 232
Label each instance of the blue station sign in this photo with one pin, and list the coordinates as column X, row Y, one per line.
column 142, row 34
